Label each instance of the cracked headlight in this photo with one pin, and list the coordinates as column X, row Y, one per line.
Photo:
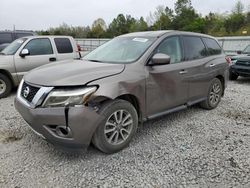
column 74, row 97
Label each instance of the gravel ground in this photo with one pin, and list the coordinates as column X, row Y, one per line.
column 191, row 148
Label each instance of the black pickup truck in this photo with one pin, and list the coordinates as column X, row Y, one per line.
column 240, row 64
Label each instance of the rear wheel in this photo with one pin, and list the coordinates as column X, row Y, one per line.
column 233, row 76
column 5, row 86
column 118, row 127
column 214, row 95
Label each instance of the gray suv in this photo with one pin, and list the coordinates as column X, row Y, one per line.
column 130, row 79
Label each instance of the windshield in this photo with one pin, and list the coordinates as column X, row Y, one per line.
column 120, row 50
column 13, row 47
column 246, row 50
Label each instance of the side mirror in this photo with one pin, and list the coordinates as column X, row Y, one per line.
column 239, row 52
column 24, row 52
column 160, row 59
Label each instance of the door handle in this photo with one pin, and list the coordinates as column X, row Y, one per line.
column 183, row 72
column 211, row 65
column 52, row 59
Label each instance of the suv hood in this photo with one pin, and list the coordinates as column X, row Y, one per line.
column 72, row 73
column 243, row 57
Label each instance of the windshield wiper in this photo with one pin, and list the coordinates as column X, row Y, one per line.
column 1, row 53
column 93, row 60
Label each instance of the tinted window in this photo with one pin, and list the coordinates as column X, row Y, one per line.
column 171, row 47
column 5, row 38
column 63, row 45
column 194, row 48
column 20, row 35
column 39, row 47
column 213, row 46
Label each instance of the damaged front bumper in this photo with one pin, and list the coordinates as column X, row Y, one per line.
column 72, row 132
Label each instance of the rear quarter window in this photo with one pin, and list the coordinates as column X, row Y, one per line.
column 194, row 48
column 63, row 45
column 212, row 46
column 5, row 38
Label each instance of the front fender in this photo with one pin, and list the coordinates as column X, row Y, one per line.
column 122, row 84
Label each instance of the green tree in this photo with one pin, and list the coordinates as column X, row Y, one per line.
column 139, row 25
column 248, row 18
column 121, row 25
column 238, row 8
column 163, row 23
column 182, row 5
column 98, row 29
column 161, row 18
column 186, row 18
column 236, row 20
column 214, row 24
column 118, row 26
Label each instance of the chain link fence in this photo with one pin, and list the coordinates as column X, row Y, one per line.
column 230, row 44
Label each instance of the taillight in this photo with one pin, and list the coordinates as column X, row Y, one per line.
column 79, row 48
column 228, row 59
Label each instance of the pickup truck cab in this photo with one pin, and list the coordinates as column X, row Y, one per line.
column 27, row 53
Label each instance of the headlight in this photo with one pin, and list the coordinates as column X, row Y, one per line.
column 234, row 61
column 60, row 98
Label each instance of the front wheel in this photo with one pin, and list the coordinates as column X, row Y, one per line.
column 214, row 95
column 233, row 76
column 118, row 127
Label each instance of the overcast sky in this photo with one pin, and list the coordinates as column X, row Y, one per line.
column 43, row 14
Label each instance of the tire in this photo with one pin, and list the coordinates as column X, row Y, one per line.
column 214, row 95
column 5, row 86
column 115, row 138
column 233, row 76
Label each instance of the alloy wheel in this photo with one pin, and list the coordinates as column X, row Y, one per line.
column 215, row 94
column 2, row 86
column 118, row 127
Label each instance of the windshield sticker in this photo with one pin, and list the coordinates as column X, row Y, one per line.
column 19, row 41
column 140, row 39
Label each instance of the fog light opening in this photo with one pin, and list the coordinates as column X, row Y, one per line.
column 63, row 131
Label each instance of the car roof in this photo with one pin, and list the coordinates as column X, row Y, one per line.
column 163, row 32
column 46, row 36
column 146, row 34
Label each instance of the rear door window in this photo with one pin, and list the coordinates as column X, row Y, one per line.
column 5, row 38
column 63, row 45
column 212, row 46
column 39, row 46
column 194, row 48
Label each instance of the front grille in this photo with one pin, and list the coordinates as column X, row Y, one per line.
column 243, row 63
column 28, row 92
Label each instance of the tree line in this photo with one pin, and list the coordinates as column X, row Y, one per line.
column 183, row 17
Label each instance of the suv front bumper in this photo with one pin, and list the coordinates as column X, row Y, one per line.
column 82, row 123
column 240, row 70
